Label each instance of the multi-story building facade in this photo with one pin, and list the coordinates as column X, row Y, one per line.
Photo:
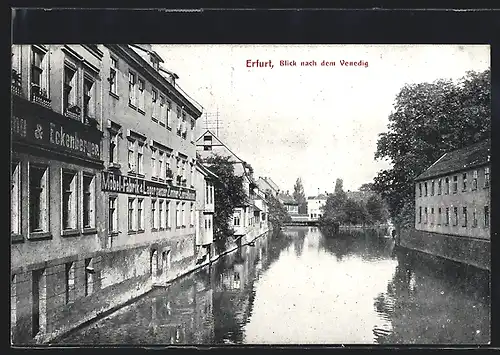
column 453, row 206
column 56, row 208
column 245, row 217
column 315, row 205
column 149, row 157
column 102, row 189
column 205, row 185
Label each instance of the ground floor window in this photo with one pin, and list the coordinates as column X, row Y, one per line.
column 88, row 201
column 131, row 214
column 38, row 198
column 112, row 214
column 69, row 198
column 15, row 198
column 70, row 282
column 89, row 277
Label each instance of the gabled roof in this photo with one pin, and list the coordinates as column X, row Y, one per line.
column 264, row 184
column 221, row 143
column 287, row 199
column 271, row 183
column 460, row 159
column 206, row 171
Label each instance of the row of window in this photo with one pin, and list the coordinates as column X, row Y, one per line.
column 237, row 219
column 78, row 91
column 161, row 167
column 464, row 184
column 453, row 216
column 160, row 213
column 77, row 199
column 160, row 106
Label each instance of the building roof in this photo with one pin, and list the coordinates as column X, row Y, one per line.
column 267, row 184
column 460, row 159
column 319, row 197
column 271, row 183
column 239, row 160
column 206, row 171
column 287, row 199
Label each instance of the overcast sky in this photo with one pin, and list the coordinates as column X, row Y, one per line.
column 317, row 123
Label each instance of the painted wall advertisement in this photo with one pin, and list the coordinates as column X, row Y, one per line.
column 137, row 186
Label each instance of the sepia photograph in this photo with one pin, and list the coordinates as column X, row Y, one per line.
column 250, row 194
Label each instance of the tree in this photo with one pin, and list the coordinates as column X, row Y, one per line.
column 355, row 212
column 277, row 213
column 228, row 194
column 300, row 196
column 429, row 119
column 334, row 209
column 339, row 187
column 366, row 187
column 377, row 209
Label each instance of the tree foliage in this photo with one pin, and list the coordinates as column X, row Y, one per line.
column 339, row 187
column 300, row 196
column 429, row 119
column 228, row 194
column 277, row 213
column 340, row 209
column 377, row 209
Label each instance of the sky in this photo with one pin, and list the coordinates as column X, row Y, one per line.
column 318, row 123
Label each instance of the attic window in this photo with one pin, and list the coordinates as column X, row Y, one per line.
column 207, row 138
column 155, row 63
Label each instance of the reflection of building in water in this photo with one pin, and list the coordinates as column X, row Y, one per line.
column 233, row 293
column 183, row 315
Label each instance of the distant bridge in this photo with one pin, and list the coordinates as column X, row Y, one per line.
column 302, row 220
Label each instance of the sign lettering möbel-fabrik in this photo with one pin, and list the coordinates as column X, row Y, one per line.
column 136, row 186
column 56, row 136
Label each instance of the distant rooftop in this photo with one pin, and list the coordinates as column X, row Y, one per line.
column 318, row 197
column 287, row 199
column 460, row 159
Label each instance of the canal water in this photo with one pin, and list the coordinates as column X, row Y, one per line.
column 299, row 286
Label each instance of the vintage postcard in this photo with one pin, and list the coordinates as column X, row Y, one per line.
column 250, row 194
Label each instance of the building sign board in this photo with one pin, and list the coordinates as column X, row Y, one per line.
column 132, row 185
column 57, row 133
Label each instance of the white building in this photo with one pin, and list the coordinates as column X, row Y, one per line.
column 314, row 205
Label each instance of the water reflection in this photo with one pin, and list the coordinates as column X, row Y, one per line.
column 300, row 286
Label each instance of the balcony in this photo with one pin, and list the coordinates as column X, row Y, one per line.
column 73, row 111
column 90, row 121
column 40, row 96
column 16, row 83
column 114, row 166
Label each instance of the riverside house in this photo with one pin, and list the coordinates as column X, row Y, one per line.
column 453, row 207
